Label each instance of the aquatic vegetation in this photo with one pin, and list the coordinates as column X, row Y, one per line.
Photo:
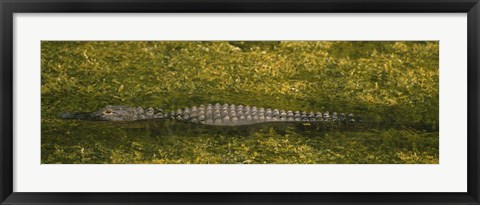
column 394, row 84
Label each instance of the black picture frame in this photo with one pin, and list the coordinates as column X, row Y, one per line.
column 9, row 7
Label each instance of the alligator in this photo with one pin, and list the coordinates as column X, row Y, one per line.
column 216, row 115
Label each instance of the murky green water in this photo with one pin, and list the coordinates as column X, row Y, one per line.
column 167, row 141
column 392, row 85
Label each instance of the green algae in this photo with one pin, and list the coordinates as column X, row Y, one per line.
column 394, row 84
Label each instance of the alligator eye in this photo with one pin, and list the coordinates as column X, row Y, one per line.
column 108, row 112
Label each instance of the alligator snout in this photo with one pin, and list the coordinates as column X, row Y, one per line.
column 78, row 115
column 66, row 115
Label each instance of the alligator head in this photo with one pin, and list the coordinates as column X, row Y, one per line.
column 116, row 113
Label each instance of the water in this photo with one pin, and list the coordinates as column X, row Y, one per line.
column 167, row 141
column 392, row 85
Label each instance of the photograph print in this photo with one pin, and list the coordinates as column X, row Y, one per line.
column 240, row 102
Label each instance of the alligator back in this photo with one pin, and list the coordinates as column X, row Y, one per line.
column 236, row 115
